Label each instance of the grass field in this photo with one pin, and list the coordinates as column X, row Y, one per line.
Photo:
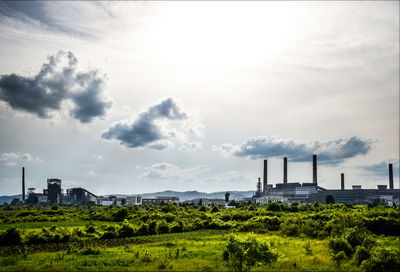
column 187, row 239
column 180, row 253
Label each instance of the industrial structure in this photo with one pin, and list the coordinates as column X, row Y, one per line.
column 284, row 192
column 312, row 192
column 54, row 194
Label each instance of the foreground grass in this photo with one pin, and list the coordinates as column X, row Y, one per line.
column 182, row 254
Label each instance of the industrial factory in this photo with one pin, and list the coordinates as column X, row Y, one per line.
column 285, row 192
column 311, row 192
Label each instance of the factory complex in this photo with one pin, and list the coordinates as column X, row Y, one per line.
column 285, row 192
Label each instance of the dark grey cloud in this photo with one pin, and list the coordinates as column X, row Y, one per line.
column 380, row 169
column 330, row 152
column 144, row 131
column 57, row 81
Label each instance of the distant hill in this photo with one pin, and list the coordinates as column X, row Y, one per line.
column 8, row 199
column 237, row 195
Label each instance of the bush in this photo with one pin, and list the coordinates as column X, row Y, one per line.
column 329, row 199
column 202, row 209
column 360, row 255
column 242, row 254
column 121, row 214
column 127, row 230
column 290, row 229
column 273, row 206
column 162, row 227
column 89, row 251
column 339, row 257
column 340, row 244
column 383, row 225
column 214, row 209
column 382, row 260
column 355, row 236
column 10, row 237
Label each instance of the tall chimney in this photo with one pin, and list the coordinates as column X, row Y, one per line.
column 23, row 183
column 284, row 170
column 265, row 176
column 342, row 181
column 391, row 176
column 314, row 161
column 259, row 185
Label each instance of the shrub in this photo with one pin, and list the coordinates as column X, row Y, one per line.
column 339, row 257
column 126, row 230
column 360, row 255
column 10, row 237
column 242, row 254
column 340, row 244
column 290, row 229
column 162, row 227
column 202, row 209
column 273, row 206
column 143, row 229
column 89, row 251
column 383, row 225
column 382, row 260
column 214, row 209
column 308, row 249
column 355, row 236
column 329, row 199
column 121, row 214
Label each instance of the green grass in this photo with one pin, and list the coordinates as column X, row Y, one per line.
column 182, row 253
column 195, row 240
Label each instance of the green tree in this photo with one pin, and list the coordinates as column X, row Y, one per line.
column 123, row 202
column 244, row 253
column 214, row 209
column 329, row 199
column 227, row 196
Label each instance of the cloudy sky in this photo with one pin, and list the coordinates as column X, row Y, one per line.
column 135, row 97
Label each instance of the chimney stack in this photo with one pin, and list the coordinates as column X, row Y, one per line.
column 265, row 176
column 314, row 159
column 391, row 176
column 23, row 184
column 284, row 170
column 259, row 185
column 342, row 181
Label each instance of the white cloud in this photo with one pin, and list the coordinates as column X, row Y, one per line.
column 12, row 158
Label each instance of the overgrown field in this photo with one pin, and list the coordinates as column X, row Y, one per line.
column 147, row 238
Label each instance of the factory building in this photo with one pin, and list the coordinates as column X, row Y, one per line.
column 159, row 200
column 53, row 190
column 312, row 192
column 55, row 194
column 119, row 201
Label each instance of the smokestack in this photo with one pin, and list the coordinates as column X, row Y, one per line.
column 265, row 176
column 23, row 183
column 259, row 185
column 391, row 176
column 314, row 161
column 342, row 181
column 284, row 170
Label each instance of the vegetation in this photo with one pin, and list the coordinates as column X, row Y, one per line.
column 271, row 237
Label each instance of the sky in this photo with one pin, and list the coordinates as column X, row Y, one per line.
column 138, row 97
